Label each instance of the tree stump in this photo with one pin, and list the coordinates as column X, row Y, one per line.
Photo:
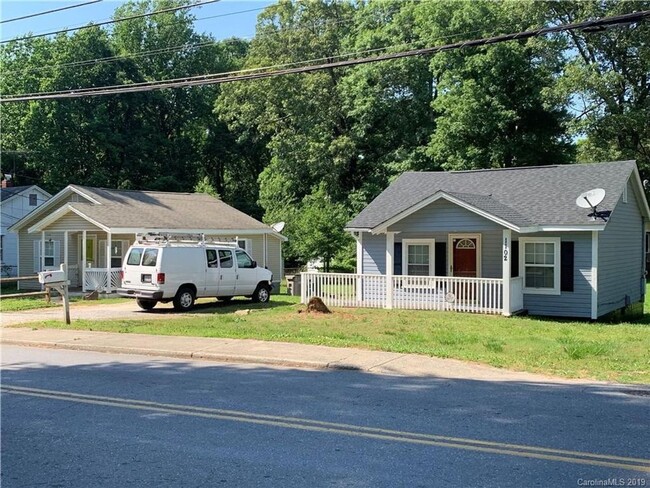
column 315, row 304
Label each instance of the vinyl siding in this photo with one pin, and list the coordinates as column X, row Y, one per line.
column 14, row 209
column 72, row 221
column 568, row 304
column 444, row 216
column 374, row 254
column 26, row 255
column 620, row 256
column 274, row 260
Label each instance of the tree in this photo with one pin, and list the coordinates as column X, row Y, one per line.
column 606, row 81
column 317, row 231
column 491, row 107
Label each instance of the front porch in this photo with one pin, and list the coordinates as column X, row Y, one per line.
column 93, row 258
column 458, row 294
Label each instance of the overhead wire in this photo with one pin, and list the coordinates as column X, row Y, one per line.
column 165, row 49
column 260, row 73
column 112, row 21
column 68, row 7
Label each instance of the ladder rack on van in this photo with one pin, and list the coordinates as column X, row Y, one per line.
column 158, row 238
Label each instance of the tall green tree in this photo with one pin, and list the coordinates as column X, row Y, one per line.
column 606, row 80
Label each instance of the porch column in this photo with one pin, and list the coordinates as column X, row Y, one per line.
column 507, row 255
column 109, row 244
column 359, row 238
column 83, row 262
column 42, row 263
column 594, row 275
column 65, row 251
column 390, row 249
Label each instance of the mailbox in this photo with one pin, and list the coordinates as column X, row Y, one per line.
column 47, row 277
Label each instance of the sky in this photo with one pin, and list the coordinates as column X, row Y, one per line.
column 239, row 25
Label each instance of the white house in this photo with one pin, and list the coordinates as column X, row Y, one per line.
column 15, row 203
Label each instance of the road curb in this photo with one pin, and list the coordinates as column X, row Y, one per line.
column 198, row 355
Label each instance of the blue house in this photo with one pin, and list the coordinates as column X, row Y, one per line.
column 500, row 241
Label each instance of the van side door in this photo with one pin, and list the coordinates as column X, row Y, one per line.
column 212, row 273
column 227, row 273
column 246, row 273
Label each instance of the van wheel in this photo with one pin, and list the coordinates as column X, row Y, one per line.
column 262, row 294
column 145, row 304
column 184, row 300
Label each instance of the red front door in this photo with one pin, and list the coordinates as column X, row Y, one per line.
column 464, row 262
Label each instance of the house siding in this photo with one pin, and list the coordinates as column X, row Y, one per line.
column 444, row 216
column 274, row 260
column 72, row 221
column 568, row 304
column 374, row 254
column 620, row 256
column 14, row 209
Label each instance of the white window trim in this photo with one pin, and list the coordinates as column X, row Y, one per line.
column 248, row 244
column 556, row 267
column 432, row 254
column 450, row 252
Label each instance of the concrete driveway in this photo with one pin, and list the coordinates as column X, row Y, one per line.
column 87, row 311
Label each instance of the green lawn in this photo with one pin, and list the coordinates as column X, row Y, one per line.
column 615, row 352
column 31, row 303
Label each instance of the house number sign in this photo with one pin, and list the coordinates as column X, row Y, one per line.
column 505, row 250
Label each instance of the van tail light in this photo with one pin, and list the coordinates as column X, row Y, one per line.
column 160, row 278
column 121, row 274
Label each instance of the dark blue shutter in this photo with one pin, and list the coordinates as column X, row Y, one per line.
column 566, row 266
column 441, row 259
column 397, row 258
column 514, row 260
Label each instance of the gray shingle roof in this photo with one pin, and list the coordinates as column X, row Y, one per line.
column 162, row 210
column 540, row 195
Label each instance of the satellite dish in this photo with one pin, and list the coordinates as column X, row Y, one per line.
column 590, row 199
column 278, row 226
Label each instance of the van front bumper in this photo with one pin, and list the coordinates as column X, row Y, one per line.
column 150, row 295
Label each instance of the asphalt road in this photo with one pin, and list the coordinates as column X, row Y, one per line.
column 79, row 419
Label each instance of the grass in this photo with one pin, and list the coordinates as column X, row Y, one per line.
column 572, row 349
column 36, row 302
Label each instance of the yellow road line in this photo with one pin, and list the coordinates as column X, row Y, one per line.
column 533, row 452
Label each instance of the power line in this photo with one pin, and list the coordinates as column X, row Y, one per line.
column 49, row 11
column 110, row 59
column 218, row 78
column 105, row 22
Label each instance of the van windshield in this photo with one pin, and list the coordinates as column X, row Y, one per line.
column 134, row 256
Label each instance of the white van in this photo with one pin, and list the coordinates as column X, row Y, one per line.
column 164, row 271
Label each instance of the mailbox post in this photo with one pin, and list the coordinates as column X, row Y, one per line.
column 59, row 281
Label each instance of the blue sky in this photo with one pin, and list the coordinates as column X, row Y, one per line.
column 240, row 25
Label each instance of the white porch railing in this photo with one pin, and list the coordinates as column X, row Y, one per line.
column 516, row 294
column 97, row 279
column 480, row 295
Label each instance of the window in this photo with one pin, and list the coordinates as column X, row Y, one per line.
column 245, row 244
column 117, row 253
column 243, row 259
column 211, row 255
column 51, row 256
column 134, row 256
column 33, row 199
column 225, row 258
column 541, row 265
column 418, row 256
column 149, row 257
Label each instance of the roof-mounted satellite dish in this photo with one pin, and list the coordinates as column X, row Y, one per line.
column 278, row 226
column 591, row 199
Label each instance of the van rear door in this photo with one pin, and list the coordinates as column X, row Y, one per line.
column 140, row 268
